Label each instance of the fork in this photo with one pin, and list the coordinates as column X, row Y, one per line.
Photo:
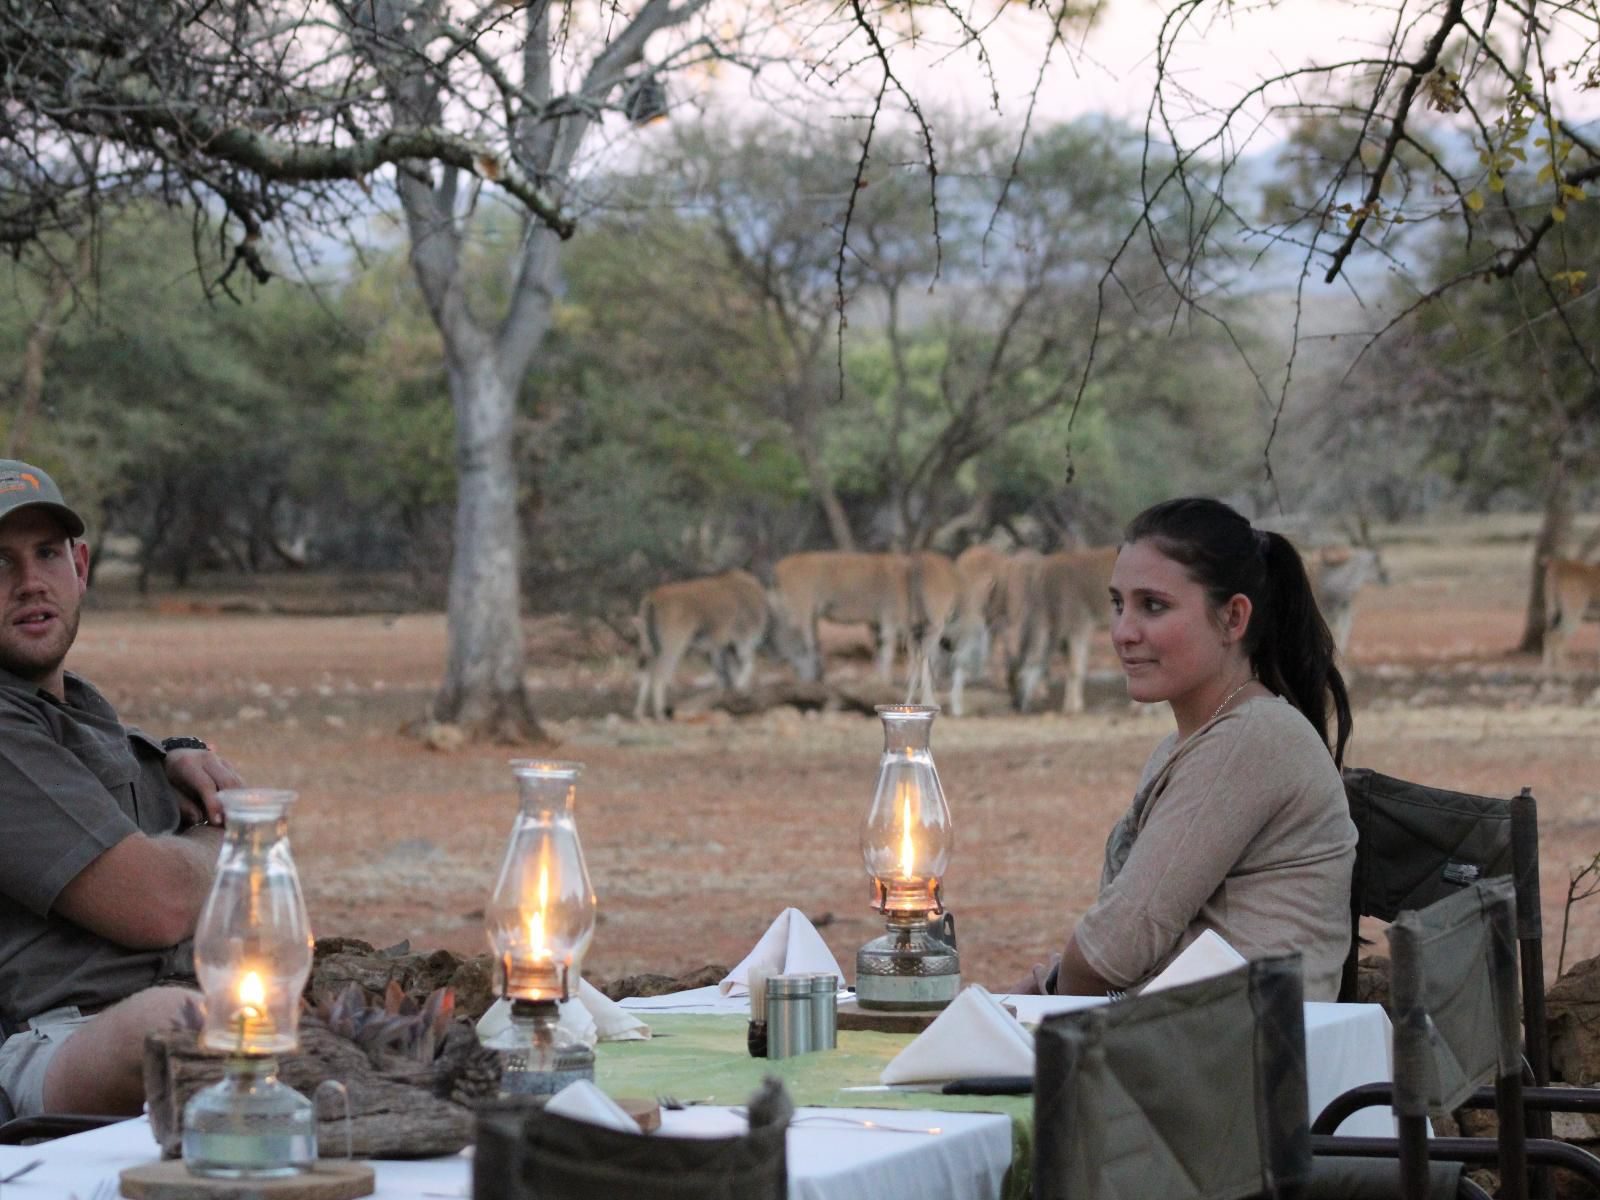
column 673, row 1104
column 21, row 1171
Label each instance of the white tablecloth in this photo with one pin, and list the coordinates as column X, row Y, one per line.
column 832, row 1156
column 1346, row 1044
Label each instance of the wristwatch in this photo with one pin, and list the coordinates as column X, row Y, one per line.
column 183, row 743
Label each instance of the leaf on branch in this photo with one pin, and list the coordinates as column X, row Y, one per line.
column 1558, row 212
column 1443, row 91
column 1475, row 200
column 1573, row 191
column 1572, row 279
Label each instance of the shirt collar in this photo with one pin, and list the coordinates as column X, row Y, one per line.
column 75, row 687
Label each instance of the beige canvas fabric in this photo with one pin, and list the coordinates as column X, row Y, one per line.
column 1243, row 828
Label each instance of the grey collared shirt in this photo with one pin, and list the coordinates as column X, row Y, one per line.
column 74, row 781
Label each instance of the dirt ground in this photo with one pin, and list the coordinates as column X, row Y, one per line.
column 697, row 832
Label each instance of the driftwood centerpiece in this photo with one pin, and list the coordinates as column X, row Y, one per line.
column 412, row 1075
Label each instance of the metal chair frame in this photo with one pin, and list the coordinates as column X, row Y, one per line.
column 1519, row 1109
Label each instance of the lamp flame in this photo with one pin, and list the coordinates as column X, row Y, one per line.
column 537, row 941
column 252, row 995
column 907, row 847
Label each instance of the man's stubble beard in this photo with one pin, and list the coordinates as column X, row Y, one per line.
column 31, row 669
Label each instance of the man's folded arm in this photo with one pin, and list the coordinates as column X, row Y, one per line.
column 144, row 892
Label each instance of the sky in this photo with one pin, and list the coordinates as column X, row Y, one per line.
column 1110, row 67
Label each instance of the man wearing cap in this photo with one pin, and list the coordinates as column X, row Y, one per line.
column 108, row 840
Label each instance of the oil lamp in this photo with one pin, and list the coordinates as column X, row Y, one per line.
column 252, row 951
column 540, row 920
column 906, row 842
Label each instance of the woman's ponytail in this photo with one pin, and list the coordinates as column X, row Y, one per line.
column 1294, row 650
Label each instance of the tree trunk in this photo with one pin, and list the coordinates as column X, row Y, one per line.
column 41, row 334
column 483, row 689
column 1553, row 532
column 828, row 499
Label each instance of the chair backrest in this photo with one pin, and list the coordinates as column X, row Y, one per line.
column 1193, row 1093
column 1419, row 844
column 535, row 1155
column 1454, row 1006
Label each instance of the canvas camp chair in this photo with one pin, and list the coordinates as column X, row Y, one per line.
column 1419, row 844
column 1454, row 1008
column 1146, row 1096
column 536, row 1155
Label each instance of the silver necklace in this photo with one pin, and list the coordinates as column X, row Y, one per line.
column 1229, row 697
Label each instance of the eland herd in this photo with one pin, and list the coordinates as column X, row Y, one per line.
column 983, row 614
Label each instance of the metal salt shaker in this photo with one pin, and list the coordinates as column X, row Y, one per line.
column 788, row 1016
column 824, row 1011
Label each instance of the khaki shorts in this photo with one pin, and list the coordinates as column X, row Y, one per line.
column 25, row 1056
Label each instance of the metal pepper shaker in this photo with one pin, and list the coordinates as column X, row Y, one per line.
column 824, row 1011
column 788, row 1016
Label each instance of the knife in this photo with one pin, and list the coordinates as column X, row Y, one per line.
column 977, row 1085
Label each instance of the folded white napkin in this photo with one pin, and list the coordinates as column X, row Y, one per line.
column 582, row 1101
column 790, row 944
column 591, row 1016
column 973, row 1036
column 1208, row 955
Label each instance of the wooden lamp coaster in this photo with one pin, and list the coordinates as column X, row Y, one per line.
column 852, row 1016
column 330, row 1179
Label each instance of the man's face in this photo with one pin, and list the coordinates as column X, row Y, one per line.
column 43, row 576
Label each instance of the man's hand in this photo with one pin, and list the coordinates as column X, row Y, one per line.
column 199, row 775
column 1035, row 982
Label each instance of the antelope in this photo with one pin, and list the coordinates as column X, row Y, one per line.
column 1067, row 599
column 1338, row 573
column 909, row 597
column 723, row 615
column 1570, row 587
column 994, row 596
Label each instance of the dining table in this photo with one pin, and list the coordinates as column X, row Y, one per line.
column 841, row 1145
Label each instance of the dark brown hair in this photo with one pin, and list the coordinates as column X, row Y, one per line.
column 1289, row 645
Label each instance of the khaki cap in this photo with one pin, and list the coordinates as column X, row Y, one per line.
column 23, row 485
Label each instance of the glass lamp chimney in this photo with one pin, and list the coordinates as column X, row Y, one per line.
column 907, row 837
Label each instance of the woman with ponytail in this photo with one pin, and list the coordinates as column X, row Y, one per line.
column 1239, row 823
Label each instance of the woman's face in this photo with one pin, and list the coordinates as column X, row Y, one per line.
column 1165, row 629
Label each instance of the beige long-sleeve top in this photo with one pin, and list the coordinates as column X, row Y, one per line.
column 1242, row 828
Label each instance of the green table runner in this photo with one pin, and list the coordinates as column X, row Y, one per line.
column 704, row 1058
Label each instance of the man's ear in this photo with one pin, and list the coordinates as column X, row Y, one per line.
column 80, row 564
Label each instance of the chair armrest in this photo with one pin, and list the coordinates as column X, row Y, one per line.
column 1534, row 1099
column 50, row 1126
column 1541, row 1152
